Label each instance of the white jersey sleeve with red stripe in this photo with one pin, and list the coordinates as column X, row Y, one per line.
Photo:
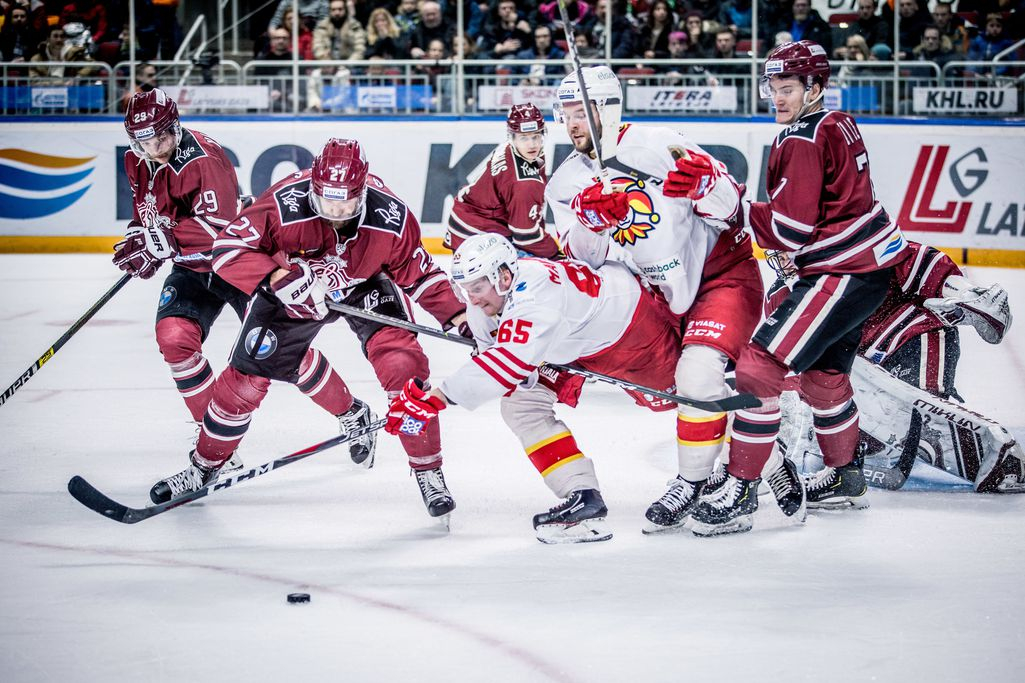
column 557, row 312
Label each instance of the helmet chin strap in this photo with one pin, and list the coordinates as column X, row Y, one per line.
column 808, row 105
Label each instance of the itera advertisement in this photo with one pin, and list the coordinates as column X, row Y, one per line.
column 950, row 186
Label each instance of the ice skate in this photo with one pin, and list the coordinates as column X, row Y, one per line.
column 788, row 489
column 986, row 310
column 672, row 510
column 727, row 509
column 578, row 519
column 232, row 465
column 1003, row 473
column 435, row 493
column 192, row 478
column 833, row 488
column 361, row 450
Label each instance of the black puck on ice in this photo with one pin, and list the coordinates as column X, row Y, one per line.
column 297, row 598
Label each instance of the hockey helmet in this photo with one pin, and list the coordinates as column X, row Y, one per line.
column 482, row 256
column 525, row 118
column 603, row 88
column 804, row 59
column 339, row 175
column 148, row 115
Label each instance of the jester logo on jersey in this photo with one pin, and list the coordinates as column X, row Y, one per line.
column 642, row 218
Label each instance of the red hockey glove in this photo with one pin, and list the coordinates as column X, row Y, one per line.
column 302, row 292
column 412, row 409
column 597, row 211
column 693, row 178
column 565, row 385
column 144, row 249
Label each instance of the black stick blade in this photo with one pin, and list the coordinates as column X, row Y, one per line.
column 86, row 494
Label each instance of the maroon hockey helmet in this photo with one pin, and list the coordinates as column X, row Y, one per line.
column 339, row 176
column 525, row 118
column 804, row 59
column 148, row 115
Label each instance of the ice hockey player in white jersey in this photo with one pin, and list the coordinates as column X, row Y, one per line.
column 524, row 312
column 684, row 238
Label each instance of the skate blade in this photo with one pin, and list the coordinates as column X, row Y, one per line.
column 737, row 525
column 652, row 529
column 588, row 531
column 842, row 503
column 232, row 468
column 445, row 521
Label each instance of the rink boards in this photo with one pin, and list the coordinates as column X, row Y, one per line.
column 63, row 188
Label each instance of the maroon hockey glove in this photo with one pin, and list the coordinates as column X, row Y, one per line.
column 301, row 292
column 412, row 409
column 693, row 178
column 461, row 325
column 597, row 211
column 144, row 249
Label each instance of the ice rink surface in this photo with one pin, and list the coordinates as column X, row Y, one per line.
column 923, row 585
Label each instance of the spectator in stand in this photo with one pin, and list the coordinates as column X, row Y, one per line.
column 544, row 50
column 310, row 11
column 781, row 38
column 856, row 49
column 18, row 40
column 935, row 47
column 78, row 44
column 407, row 16
column 385, row 37
column 505, row 32
column 702, row 43
column 305, row 34
column 804, row 23
column 873, row 28
column 431, row 26
column 49, row 51
column 738, row 17
column 436, row 50
column 678, row 49
column 145, row 80
column 337, row 37
column 585, row 47
column 951, row 27
column 278, row 78
column 623, row 34
column 726, row 48
column 92, row 14
column 988, row 44
column 654, row 38
column 913, row 20
column 711, row 10
column 168, row 30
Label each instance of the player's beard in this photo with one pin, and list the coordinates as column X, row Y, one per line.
column 346, row 229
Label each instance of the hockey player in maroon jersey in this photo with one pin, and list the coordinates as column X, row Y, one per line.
column 334, row 228
column 507, row 195
column 822, row 209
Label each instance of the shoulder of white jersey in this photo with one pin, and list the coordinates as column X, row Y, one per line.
column 568, row 178
column 384, row 211
column 534, row 283
column 806, row 129
column 189, row 150
column 290, row 196
column 649, row 149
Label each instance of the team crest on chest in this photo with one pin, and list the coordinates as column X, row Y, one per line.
column 642, row 217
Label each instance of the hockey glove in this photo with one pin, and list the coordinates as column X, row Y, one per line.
column 597, row 211
column 302, row 292
column 565, row 385
column 412, row 409
column 144, row 249
column 461, row 325
column 693, row 178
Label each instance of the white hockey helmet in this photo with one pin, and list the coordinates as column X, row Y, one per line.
column 483, row 256
column 605, row 90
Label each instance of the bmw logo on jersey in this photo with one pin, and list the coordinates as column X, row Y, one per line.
column 167, row 296
column 268, row 345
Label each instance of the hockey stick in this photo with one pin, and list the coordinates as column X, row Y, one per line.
column 735, row 402
column 893, row 478
column 89, row 496
column 592, row 126
column 27, row 375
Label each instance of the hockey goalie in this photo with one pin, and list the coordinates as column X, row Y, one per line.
column 903, row 381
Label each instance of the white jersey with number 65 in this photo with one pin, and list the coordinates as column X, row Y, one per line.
column 557, row 312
